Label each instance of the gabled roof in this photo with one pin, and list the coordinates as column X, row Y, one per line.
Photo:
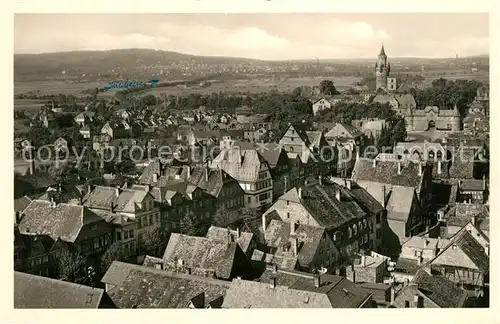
column 136, row 286
column 343, row 130
column 20, row 204
column 242, row 165
column 278, row 235
column 32, row 291
column 400, row 202
column 471, row 248
column 223, row 234
column 62, row 221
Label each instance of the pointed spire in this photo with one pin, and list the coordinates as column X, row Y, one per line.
column 382, row 51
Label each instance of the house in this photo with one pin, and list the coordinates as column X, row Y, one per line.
column 320, row 105
column 101, row 142
column 368, row 269
column 60, row 225
column 135, row 286
column 107, row 129
column 132, row 211
column 309, row 152
column 464, row 261
column 123, row 114
column 370, row 127
column 345, row 134
column 229, row 197
column 293, row 289
column 85, row 131
column 472, row 191
column 251, row 171
column 279, row 164
column 330, row 206
column 80, row 119
column 32, row 183
column 430, row 291
column 402, row 187
column 32, row 291
column 310, row 245
column 61, row 144
column 207, row 257
column 245, row 240
column 400, row 102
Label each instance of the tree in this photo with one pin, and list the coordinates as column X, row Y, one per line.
column 113, row 253
column 327, row 87
column 156, row 242
column 72, row 267
column 192, row 225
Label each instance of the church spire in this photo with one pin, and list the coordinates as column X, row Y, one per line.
column 382, row 51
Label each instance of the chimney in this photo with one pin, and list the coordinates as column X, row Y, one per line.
column 363, row 260
column 117, row 191
column 206, row 174
column 155, row 177
column 421, row 169
column 374, row 162
column 487, row 250
column 300, row 193
column 399, row 167
column 53, row 202
column 439, row 167
column 237, row 233
column 319, row 179
column 393, row 293
column 264, row 224
column 348, row 183
column 295, row 247
column 317, row 281
column 473, row 220
column 337, row 194
column 419, row 260
column 272, row 284
column 188, row 172
column 357, row 155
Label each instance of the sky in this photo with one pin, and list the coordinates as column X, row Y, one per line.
column 260, row 36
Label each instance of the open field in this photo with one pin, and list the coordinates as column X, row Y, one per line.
column 55, row 87
column 254, row 86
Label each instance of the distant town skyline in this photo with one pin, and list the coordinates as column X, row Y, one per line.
column 260, row 36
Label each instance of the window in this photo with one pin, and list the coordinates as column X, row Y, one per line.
column 291, row 139
column 118, row 236
column 249, row 200
column 287, row 215
column 350, row 232
column 125, row 235
column 131, row 233
column 287, row 203
column 379, row 233
column 407, row 304
column 157, row 216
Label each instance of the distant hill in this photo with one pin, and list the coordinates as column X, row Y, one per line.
column 84, row 66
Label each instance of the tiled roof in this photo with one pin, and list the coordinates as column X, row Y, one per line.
column 128, row 199
column 408, row 266
column 472, row 249
column 341, row 293
column 39, row 180
column 32, row 291
column 62, row 221
column 122, row 200
column 473, row 185
column 101, row 197
column 215, row 181
column 251, row 294
column 144, row 287
column 278, row 235
column 271, row 152
column 387, row 172
column 21, row 203
column 243, row 165
column 426, row 243
column 406, row 100
column 201, row 253
column 282, row 260
column 323, row 206
column 461, row 214
column 442, row 291
column 361, row 195
column 221, row 234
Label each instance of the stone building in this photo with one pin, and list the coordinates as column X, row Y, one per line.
column 432, row 117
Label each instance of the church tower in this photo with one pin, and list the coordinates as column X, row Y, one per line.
column 382, row 69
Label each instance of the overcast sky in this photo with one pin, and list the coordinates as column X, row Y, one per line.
column 261, row 36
